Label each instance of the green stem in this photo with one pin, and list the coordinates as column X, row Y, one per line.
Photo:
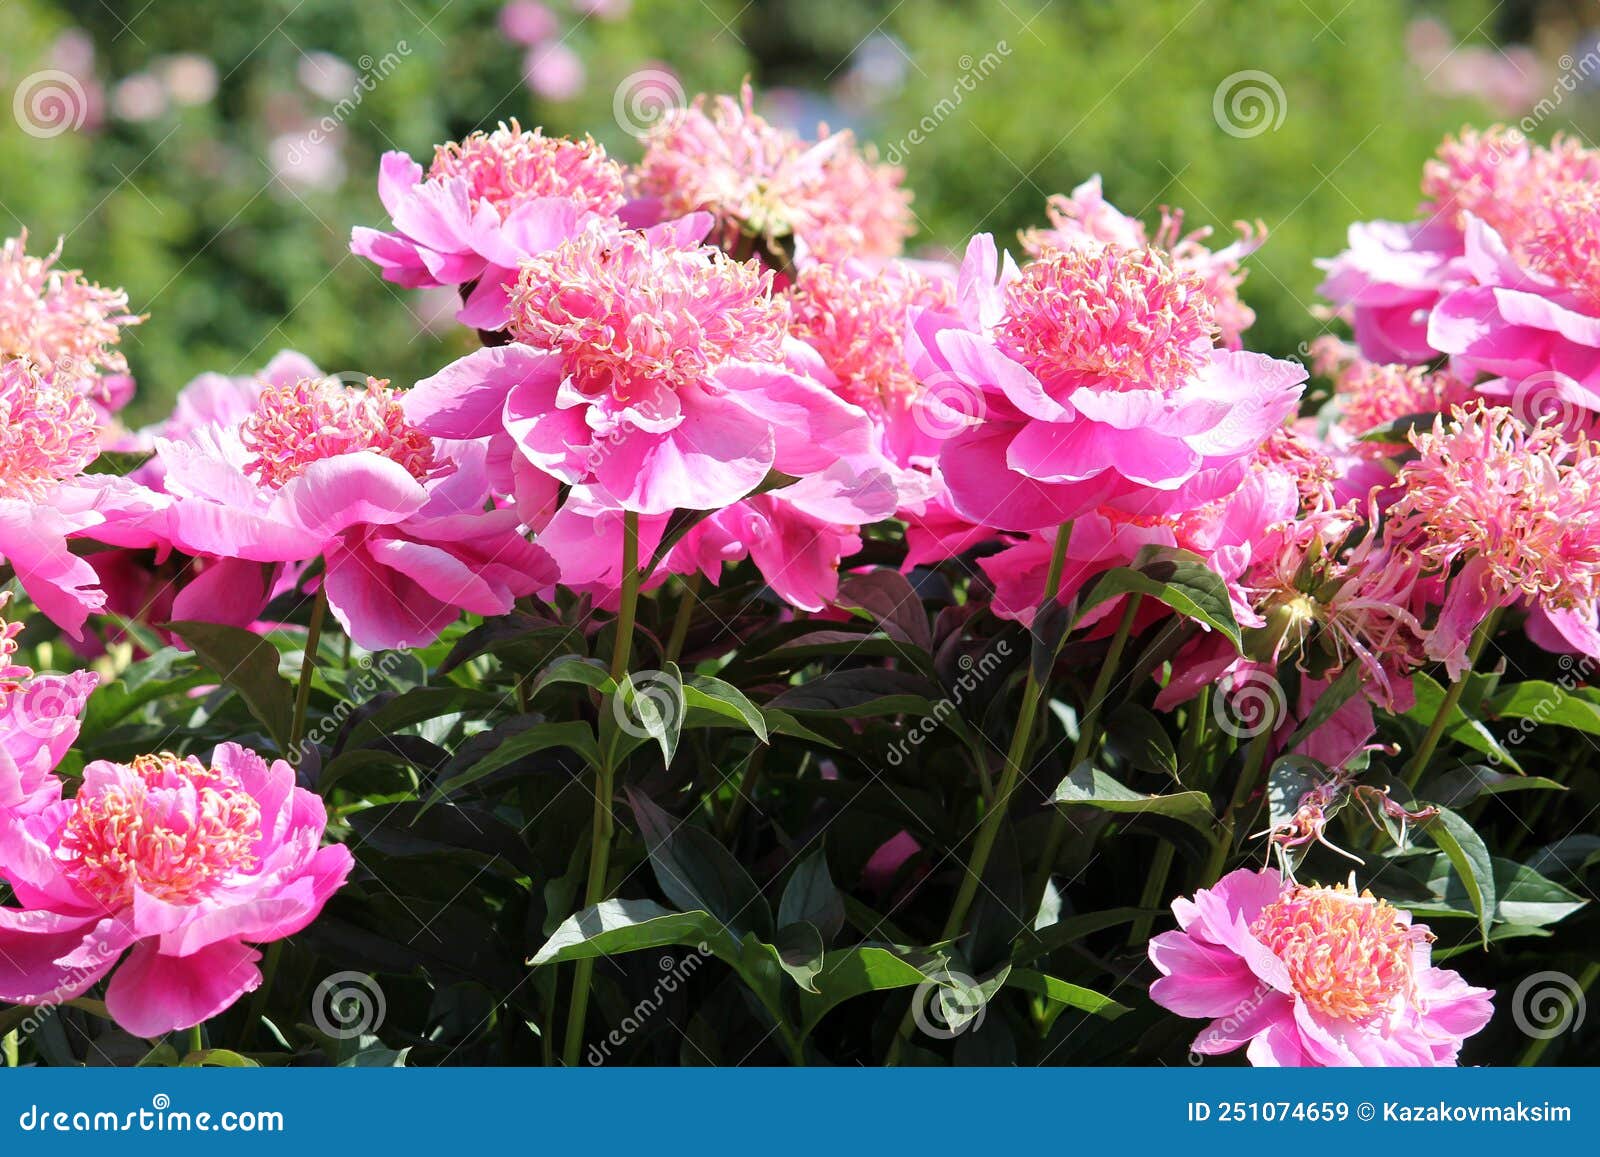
column 1452, row 697
column 1010, row 775
column 680, row 623
column 1154, row 885
column 197, row 1040
column 1086, row 737
column 747, row 785
column 605, row 786
column 9, row 1049
column 1254, row 760
column 308, row 667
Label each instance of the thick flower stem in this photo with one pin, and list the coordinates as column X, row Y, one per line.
column 1452, row 698
column 1085, row 744
column 605, row 787
column 1033, row 692
column 308, row 667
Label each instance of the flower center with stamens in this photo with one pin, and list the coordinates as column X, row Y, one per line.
column 47, row 432
column 509, row 166
column 1348, row 956
column 317, row 418
column 628, row 315
column 164, row 824
column 1108, row 317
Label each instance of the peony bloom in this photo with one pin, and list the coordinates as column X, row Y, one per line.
column 319, row 468
column 1094, row 382
column 766, row 185
column 1311, row 976
column 486, row 204
column 650, row 373
column 38, row 719
column 185, row 864
column 1512, row 516
column 48, row 435
column 1087, row 220
column 66, row 326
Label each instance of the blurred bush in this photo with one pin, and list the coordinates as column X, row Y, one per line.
column 205, row 179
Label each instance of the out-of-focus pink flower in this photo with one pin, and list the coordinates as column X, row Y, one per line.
column 1513, row 515
column 690, row 411
column 1311, row 976
column 766, row 184
column 38, row 718
column 1094, row 382
column 185, row 864
column 486, row 204
column 189, row 78
column 140, row 97
column 553, row 71
column 602, row 9
column 527, row 22
column 1087, row 219
column 323, row 469
column 67, row 326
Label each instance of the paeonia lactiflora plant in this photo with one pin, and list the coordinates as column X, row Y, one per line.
column 768, row 648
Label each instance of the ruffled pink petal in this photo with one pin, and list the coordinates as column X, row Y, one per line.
column 152, row 994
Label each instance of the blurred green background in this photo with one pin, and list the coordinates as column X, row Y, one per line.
column 199, row 173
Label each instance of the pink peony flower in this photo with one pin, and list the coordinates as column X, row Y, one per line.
column 1311, row 976
column 318, row 468
column 1093, row 381
column 66, row 326
column 38, row 719
column 767, row 184
column 649, row 372
column 48, row 435
column 1513, row 516
column 1087, row 220
column 186, row 865
column 486, row 204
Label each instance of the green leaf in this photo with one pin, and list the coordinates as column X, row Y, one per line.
column 887, row 598
column 1061, row 992
column 574, row 669
column 1459, row 786
column 1088, row 786
column 798, row 948
column 852, row 972
column 1462, row 728
column 858, row 694
column 217, row 1059
column 248, row 664
column 615, row 926
column 1339, row 693
column 1470, row 858
column 420, row 705
column 651, row 702
column 1178, row 578
column 810, row 897
column 696, row 871
column 540, row 737
column 1038, row 942
column 1543, row 702
column 122, row 462
column 1139, row 738
column 712, row 694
